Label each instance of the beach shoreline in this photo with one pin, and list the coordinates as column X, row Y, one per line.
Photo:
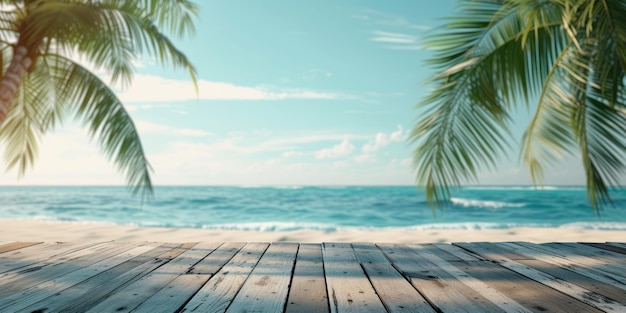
column 48, row 231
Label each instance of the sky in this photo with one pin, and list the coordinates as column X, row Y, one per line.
column 309, row 92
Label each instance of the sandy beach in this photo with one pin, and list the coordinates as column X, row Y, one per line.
column 26, row 230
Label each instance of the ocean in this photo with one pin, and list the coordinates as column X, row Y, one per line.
column 329, row 209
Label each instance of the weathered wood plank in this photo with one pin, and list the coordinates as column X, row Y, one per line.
column 572, row 290
column 218, row 258
column 83, row 296
column 567, row 273
column 267, row 287
column 41, row 291
column 349, row 290
column 593, row 256
column 50, row 269
column 564, row 263
column 530, row 294
column 127, row 299
column 218, row 293
column 6, row 247
column 396, row 293
column 178, row 292
column 606, row 246
column 459, row 270
column 174, row 296
column 459, row 253
column 596, row 271
column 77, row 277
column 307, row 293
column 19, row 260
column 439, row 287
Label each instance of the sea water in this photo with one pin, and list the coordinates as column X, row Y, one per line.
column 319, row 208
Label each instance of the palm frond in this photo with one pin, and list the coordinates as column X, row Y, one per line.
column 98, row 106
column 465, row 125
column 147, row 38
column 28, row 118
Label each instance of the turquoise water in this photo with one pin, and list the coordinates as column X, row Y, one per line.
column 322, row 208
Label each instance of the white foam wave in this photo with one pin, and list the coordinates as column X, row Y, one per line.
column 538, row 188
column 273, row 226
column 269, row 187
column 595, row 225
column 484, row 203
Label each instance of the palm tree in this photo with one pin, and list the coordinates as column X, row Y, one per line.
column 42, row 82
column 566, row 56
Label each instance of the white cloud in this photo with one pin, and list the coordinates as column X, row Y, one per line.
column 398, row 135
column 382, row 139
column 151, row 88
column 342, row 149
column 396, row 41
column 394, row 37
column 150, row 127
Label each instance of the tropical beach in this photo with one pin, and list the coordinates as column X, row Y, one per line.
column 13, row 230
column 308, row 214
column 313, row 156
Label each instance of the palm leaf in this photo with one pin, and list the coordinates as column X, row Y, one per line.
column 98, row 106
column 28, row 119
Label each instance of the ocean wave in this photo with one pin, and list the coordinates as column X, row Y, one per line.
column 526, row 188
column 273, row 226
column 596, row 225
column 484, row 203
column 302, row 226
column 270, row 187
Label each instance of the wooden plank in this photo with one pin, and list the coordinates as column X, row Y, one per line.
column 459, row 270
column 17, row 260
column 617, row 244
column 81, row 297
column 127, row 299
column 459, row 253
column 217, row 259
column 396, row 293
column 6, row 247
column 217, row 294
column 267, row 287
column 520, row 247
column 580, row 262
column 44, row 290
column 606, row 246
column 488, row 255
column 308, row 286
column 592, row 255
column 174, row 296
column 50, row 269
column 178, row 292
column 584, row 295
column 528, row 293
column 440, row 288
column 571, row 276
column 349, row 290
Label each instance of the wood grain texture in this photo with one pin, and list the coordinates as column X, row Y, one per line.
column 330, row 277
column 308, row 293
column 218, row 293
column 266, row 288
column 349, row 289
column 394, row 290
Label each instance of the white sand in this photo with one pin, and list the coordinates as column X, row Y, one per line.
column 19, row 230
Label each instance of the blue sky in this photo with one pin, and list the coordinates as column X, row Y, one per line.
column 291, row 93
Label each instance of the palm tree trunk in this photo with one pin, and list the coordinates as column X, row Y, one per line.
column 10, row 82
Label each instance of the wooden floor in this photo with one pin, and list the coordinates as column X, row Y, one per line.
column 329, row 277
